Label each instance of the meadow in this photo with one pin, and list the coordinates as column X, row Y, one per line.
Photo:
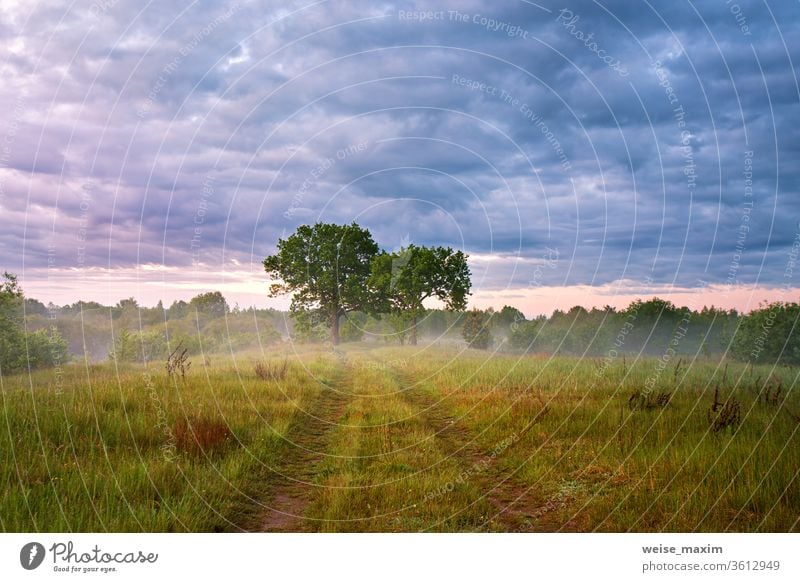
column 401, row 439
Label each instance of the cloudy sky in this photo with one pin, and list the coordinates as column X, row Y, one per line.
column 579, row 152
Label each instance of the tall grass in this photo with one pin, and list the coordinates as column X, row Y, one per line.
column 129, row 449
column 414, row 440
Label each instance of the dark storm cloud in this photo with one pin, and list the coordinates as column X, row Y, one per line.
column 617, row 133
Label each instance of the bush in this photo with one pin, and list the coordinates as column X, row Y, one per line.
column 146, row 346
column 351, row 328
column 769, row 335
column 309, row 327
column 20, row 350
column 46, row 349
column 12, row 350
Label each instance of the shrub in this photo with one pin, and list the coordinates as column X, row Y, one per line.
column 20, row 350
column 46, row 348
column 145, row 346
column 769, row 335
column 351, row 328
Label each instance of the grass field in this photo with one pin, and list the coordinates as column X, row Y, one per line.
column 402, row 439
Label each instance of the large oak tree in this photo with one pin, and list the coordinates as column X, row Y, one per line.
column 326, row 267
column 409, row 276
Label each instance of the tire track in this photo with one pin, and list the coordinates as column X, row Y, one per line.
column 516, row 506
column 291, row 484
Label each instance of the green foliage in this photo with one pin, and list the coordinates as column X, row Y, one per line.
column 407, row 277
column 46, row 349
column 352, row 327
column 195, row 343
column 326, row 267
column 95, row 331
column 650, row 327
column 10, row 300
column 211, row 304
column 400, row 324
column 476, row 330
column 507, row 319
column 11, row 335
column 769, row 335
column 178, row 310
column 20, row 350
column 145, row 346
column 310, row 326
column 34, row 307
column 523, row 335
column 236, row 331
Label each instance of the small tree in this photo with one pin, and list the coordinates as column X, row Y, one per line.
column 12, row 338
column 125, row 347
column 769, row 335
column 178, row 310
column 46, row 348
column 476, row 330
column 400, row 323
column 352, row 327
column 508, row 319
column 326, row 267
column 20, row 350
column 211, row 304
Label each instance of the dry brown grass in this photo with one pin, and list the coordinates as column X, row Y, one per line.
column 725, row 414
column 273, row 371
column 201, row 434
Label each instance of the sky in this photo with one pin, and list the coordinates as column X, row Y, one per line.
column 580, row 152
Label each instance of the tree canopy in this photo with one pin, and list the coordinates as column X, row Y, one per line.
column 212, row 304
column 326, row 267
column 405, row 278
column 20, row 350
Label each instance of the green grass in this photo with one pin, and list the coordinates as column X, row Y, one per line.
column 398, row 439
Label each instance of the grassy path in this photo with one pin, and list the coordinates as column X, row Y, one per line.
column 382, row 449
column 387, row 470
column 383, row 452
column 514, row 504
column 291, row 483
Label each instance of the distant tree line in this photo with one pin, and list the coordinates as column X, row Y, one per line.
column 127, row 331
column 345, row 289
column 653, row 327
column 770, row 334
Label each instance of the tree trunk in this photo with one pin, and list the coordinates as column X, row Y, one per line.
column 413, row 341
column 335, row 329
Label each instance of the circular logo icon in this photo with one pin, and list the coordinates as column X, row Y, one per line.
column 31, row 555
